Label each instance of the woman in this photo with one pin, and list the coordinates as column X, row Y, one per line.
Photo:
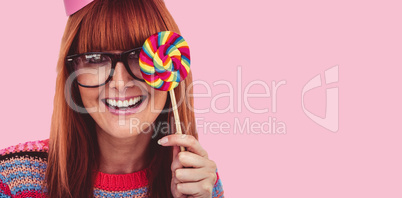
column 112, row 137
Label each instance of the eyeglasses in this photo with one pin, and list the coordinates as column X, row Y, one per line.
column 94, row 69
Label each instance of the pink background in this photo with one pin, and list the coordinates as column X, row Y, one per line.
column 289, row 41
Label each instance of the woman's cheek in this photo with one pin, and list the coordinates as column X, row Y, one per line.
column 159, row 100
column 89, row 97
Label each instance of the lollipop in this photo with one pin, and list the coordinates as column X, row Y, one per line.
column 164, row 62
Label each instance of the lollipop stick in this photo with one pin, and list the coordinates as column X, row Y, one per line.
column 176, row 115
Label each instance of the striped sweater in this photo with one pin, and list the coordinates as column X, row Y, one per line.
column 22, row 174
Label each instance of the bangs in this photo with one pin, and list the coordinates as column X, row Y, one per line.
column 117, row 25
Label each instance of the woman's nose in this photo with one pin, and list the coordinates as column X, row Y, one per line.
column 121, row 79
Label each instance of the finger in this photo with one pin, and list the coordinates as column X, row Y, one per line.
column 173, row 187
column 193, row 175
column 175, row 180
column 188, row 141
column 201, row 188
column 176, row 150
column 175, row 162
column 189, row 159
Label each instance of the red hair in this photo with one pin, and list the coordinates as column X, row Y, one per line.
column 73, row 148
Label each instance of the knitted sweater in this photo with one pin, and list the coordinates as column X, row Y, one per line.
column 22, row 173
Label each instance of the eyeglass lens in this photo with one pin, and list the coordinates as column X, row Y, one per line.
column 94, row 69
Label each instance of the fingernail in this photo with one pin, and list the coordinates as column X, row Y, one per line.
column 183, row 135
column 162, row 140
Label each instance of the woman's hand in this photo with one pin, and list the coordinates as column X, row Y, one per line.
column 193, row 174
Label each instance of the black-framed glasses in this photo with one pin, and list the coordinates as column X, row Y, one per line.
column 94, row 69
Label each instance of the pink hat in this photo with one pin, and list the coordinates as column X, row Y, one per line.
column 73, row 6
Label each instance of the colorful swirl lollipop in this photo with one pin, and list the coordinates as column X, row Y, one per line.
column 165, row 60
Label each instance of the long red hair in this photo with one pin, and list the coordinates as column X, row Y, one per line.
column 73, row 149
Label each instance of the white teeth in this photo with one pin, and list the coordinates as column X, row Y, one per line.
column 125, row 103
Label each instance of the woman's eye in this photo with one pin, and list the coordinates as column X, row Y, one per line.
column 133, row 55
column 96, row 58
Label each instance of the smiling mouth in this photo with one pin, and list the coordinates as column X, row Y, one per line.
column 124, row 104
